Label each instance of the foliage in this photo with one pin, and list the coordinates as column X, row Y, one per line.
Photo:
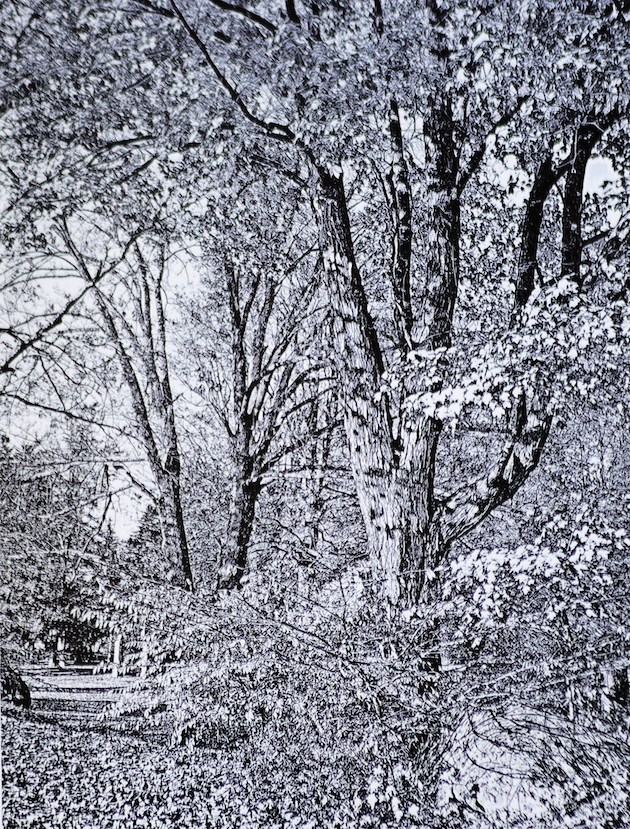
column 52, row 539
column 399, row 390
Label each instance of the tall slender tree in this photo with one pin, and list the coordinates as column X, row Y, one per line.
column 262, row 360
column 131, row 308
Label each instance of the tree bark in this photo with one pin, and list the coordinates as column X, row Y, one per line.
column 393, row 474
column 403, row 235
column 409, row 531
column 439, row 291
column 585, row 139
column 546, row 176
column 245, row 492
column 359, row 365
column 245, row 486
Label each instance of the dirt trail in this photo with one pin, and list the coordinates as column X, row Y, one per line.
column 72, row 692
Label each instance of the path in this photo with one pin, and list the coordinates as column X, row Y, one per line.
column 72, row 692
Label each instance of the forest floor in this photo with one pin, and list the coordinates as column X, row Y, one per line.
column 66, row 764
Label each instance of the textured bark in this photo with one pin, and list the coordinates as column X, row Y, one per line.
column 393, row 475
column 245, row 494
column 246, row 484
column 439, row 291
column 359, row 367
column 409, row 532
column 585, row 140
column 317, row 458
column 172, row 462
column 264, row 382
column 403, row 234
column 546, row 176
column 413, row 491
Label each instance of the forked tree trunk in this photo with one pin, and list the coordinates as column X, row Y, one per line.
column 394, row 471
column 409, row 531
column 393, row 474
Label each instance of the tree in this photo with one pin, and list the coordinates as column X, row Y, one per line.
column 404, row 110
column 53, row 533
column 81, row 299
column 472, row 284
column 252, row 350
column 450, row 95
column 133, row 318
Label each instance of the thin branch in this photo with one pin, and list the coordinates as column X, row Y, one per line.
column 46, row 329
column 63, row 313
column 138, row 402
column 300, row 443
column 246, row 13
column 280, row 131
column 53, row 409
column 477, row 156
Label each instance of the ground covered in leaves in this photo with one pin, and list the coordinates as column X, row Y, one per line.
column 91, row 774
column 86, row 776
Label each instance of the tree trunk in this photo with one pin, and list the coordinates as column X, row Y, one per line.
column 246, row 485
column 245, row 492
column 393, row 459
column 393, row 475
column 167, row 473
column 142, row 355
column 173, row 528
column 360, row 368
column 584, row 142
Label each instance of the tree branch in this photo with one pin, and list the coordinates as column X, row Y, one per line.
column 546, row 176
column 468, row 506
column 54, row 410
column 275, row 130
column 477, row 156
column 247, row 14
column 63, row 313
column 401, row 244
column 585, row 140
column 291, row 12
column 587, row 135
column 378, row 17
